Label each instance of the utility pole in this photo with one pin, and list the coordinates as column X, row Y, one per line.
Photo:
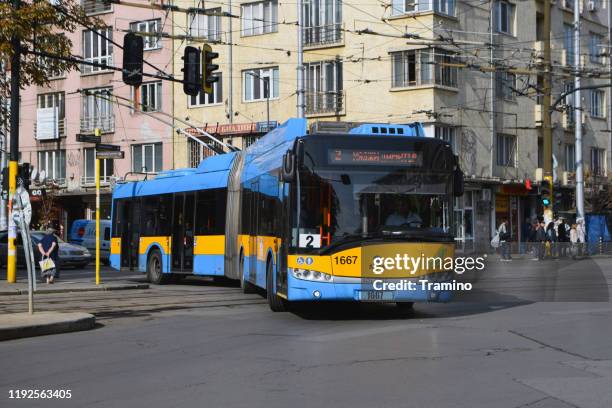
column 11, row 262
column 97, row 131
column 546, row 120
column 230, row 62
column 492, row 23
column 578, row 116
column 300, row 64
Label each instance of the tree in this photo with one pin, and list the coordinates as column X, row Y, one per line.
column 41, row 25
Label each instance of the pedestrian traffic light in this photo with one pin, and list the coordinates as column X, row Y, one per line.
column 209, row 76
column 133, row 46
column 545, row 191
column 192, row 76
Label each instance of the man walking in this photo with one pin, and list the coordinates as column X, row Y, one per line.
column 504, row 241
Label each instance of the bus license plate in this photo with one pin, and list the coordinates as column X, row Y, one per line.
column 375, row 295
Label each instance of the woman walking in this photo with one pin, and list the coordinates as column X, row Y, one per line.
column 49, row 248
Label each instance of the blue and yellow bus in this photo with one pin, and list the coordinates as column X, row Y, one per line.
column 302, row 214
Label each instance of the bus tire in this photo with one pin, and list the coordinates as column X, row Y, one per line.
column 276, row 303
column 247, row 287
column 154, row 269
column 405, row 307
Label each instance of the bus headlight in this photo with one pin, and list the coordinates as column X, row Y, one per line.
column 306, row 274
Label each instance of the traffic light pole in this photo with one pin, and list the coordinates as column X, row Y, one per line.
column 11, row 262
column 578, row 116
column 97, row 220
column 546, row 120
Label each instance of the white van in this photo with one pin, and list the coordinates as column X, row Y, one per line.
column 83, row 232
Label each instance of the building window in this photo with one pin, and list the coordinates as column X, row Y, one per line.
column 322, row 22
column 399, row 7
column 446, row 133
column 89, row 167
column 568, row 87
column 416, row 67
column 151, row 96
column 505, row 17
column 254, row 87
column 51, row 106
column 205, row 25
column 506, row 86
column 152, row 40
column 324, row 87
column 596, row 50
column 53, row 163
column 97, row 48
column 598, row 103
column 598, row 161
column 570, row 157
column 203, row 99
column 96, row 6
column 147, row 158
column 506, row 150
column 568, row 43
column 259, row 18
column 97, row 110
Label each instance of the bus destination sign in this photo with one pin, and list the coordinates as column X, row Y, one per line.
column 375, row 157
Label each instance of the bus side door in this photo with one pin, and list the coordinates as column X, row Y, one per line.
column 254, row 232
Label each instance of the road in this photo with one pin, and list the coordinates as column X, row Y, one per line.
column 205, row 344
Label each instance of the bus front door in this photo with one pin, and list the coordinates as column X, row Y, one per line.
column 254, row 231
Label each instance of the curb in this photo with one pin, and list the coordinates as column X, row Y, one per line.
column 101, row 288
column 84, row 322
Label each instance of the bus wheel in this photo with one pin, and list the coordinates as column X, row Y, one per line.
column 276, row 303
column 247, row 287
column 405, row 307
column 154, row 269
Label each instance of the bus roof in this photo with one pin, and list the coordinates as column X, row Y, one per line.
column 211, row 173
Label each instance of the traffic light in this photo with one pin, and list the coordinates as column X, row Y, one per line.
column 209, row 68
column 192, row 76
column 545, row 191
column 133, row 46
column 24, row 172
column 5, row 179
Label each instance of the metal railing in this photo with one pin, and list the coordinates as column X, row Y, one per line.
column 105, row 123
column 322, row 35
column 324, row 102
column 96, row 6
column 91, row 180
column 61, row 128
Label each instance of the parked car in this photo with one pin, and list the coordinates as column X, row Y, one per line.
column 83, row 232
column 69, row 254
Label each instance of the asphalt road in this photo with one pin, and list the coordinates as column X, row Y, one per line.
column 205, row 344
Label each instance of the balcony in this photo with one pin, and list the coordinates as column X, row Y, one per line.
column 322, row 103
column 105, row 123
column 96, row 6
column 321, row 36
column 89, row 181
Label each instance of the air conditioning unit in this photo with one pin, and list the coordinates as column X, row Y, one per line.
column 539, row 174
column 591, row 5
column 538, row 119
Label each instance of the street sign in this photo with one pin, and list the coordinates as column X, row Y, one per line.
column 109, row 154
column 88, row 138
column 107, row 147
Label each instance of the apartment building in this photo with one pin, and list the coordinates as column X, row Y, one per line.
column 53, row 116
column 407, row 61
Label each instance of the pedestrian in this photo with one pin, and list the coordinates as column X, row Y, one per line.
column 504, row 240
column 551, row 239
column 540, row 242
column 525, row 234
column 581, row 233
column 49, row 248
column 562, row 238
column 573, row 236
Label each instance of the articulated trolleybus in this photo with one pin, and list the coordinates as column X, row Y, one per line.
column 303, row 215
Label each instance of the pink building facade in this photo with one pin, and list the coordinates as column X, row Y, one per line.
column 53, row 116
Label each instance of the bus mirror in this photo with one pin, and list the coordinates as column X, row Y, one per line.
column 288, row 168
column 457, row 183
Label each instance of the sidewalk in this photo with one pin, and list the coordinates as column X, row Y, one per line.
column 72, row 285
column 19, row 325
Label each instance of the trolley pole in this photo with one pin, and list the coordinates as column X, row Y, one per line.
column 546, row 120
column 97, row 221
column 11, row 262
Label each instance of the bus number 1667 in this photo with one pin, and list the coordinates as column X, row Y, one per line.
column 345, row 260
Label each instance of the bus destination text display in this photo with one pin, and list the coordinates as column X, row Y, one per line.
column 375, row 157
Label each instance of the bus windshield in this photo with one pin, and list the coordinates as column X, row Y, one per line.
column 338, row 206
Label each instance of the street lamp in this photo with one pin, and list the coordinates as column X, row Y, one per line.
column 266, row 92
